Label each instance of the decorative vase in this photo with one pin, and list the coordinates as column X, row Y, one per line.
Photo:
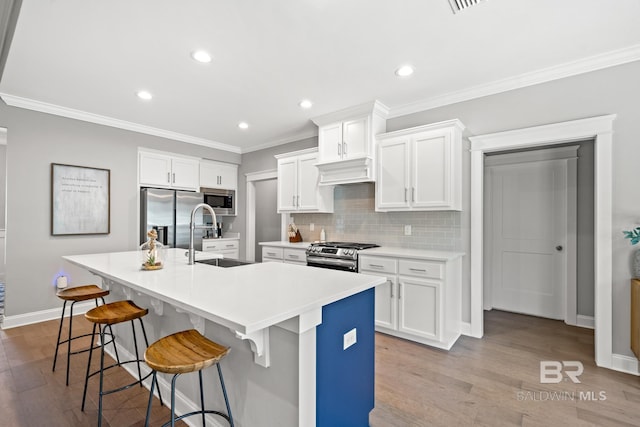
column 636, row 264
column 152, row 252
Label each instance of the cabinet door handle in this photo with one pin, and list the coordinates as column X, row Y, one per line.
column 339, row 149
column 405, row 195
column 399, row 290
column 413, row 194
column 390, row 287
column 344, row 148
column 294, row 201
column 174, row 178
column 168, row 177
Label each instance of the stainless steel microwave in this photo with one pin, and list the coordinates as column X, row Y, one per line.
column 223, row 202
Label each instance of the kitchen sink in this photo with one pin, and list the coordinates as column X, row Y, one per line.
column 223, row 262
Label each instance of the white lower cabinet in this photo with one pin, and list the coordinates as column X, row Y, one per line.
column 286, row 255
column 229, row 248
column 421, row 299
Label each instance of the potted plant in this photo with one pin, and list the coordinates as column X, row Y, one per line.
column 634, row 237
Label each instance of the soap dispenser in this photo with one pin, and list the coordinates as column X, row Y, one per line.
column 323, row 237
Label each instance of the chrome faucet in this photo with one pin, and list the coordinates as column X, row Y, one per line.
column 192, row 227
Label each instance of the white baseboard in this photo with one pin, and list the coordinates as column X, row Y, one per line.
column 465, row 328
column 183, row 404
column 626, row 364
column 9, row 322
column 586, row 321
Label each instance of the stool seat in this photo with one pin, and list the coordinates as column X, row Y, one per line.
column 182, row 352
column 82, row 293
column 115, row 312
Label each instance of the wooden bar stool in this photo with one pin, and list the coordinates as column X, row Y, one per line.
column 180, row 353
column 77, row 294
column 104, row 316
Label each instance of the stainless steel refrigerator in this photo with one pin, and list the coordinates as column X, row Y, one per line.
column 169, row 212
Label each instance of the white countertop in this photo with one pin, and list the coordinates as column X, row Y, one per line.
column 247, row 298
column 427, row 254
column 281, row 244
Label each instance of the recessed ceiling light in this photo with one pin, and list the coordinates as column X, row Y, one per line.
column 404, row 71
column 305, row 103
column 243, row 125
column 201, row 56
column 143, row 94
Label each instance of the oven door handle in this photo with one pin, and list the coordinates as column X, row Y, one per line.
column 330, row 261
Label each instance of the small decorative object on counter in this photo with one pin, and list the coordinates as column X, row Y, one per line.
column 634, row 236
column 152, row 252
column 323, row 236
column 294, row 234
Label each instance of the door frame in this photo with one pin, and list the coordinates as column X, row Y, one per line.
column 600, row 129
column 568, row 155
column 252, row 178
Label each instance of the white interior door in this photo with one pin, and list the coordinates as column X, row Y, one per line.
column 529, row 226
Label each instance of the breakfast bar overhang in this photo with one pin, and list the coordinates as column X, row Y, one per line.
column 309, row 331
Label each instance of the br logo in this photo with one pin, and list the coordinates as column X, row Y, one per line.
column 551, row 371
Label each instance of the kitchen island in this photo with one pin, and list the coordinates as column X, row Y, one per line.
column 301, row 337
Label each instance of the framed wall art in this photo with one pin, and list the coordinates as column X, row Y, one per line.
column 80, row 200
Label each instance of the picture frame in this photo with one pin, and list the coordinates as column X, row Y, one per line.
column 80, row 200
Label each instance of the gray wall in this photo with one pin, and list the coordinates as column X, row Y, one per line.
column 34, row 141
column 3, row 183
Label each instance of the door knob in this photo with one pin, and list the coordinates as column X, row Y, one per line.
column 558, row 248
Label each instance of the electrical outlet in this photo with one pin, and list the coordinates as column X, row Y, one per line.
column 407, row 230
column 349, row 339
column 312, row 227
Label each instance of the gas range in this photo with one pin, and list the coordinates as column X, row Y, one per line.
column 336, row 255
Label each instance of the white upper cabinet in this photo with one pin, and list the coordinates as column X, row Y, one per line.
column 298, row 188
column 346, row 143
column 420, row 168
column 167, row 171
column 218, row 175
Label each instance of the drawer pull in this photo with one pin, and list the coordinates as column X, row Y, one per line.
column 294, row 256
column 419, row 270
column 376, row 266
column 271, row 253
column 230, row 245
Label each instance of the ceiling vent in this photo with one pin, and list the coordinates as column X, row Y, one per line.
column 460, row 5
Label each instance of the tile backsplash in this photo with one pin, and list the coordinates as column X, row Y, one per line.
column 355, row 219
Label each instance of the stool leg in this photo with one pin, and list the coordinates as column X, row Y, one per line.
column 86, row 378
column 55, row 357
column 153, row 383
column 224, row 393
column 202, row 398
column 135, row 345
column 173, row 400
column 101, row 328
column 69, row 340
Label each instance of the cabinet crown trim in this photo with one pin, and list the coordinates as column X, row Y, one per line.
column 377, row 107
column 424, row 128
column 296, row 153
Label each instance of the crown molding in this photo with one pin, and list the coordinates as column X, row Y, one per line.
column 568, row 69
column 43, row 107
column 292, row 138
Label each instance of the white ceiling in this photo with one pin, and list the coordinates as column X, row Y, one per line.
column 86, row 59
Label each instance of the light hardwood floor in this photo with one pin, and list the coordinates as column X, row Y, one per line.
column 494, row 381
